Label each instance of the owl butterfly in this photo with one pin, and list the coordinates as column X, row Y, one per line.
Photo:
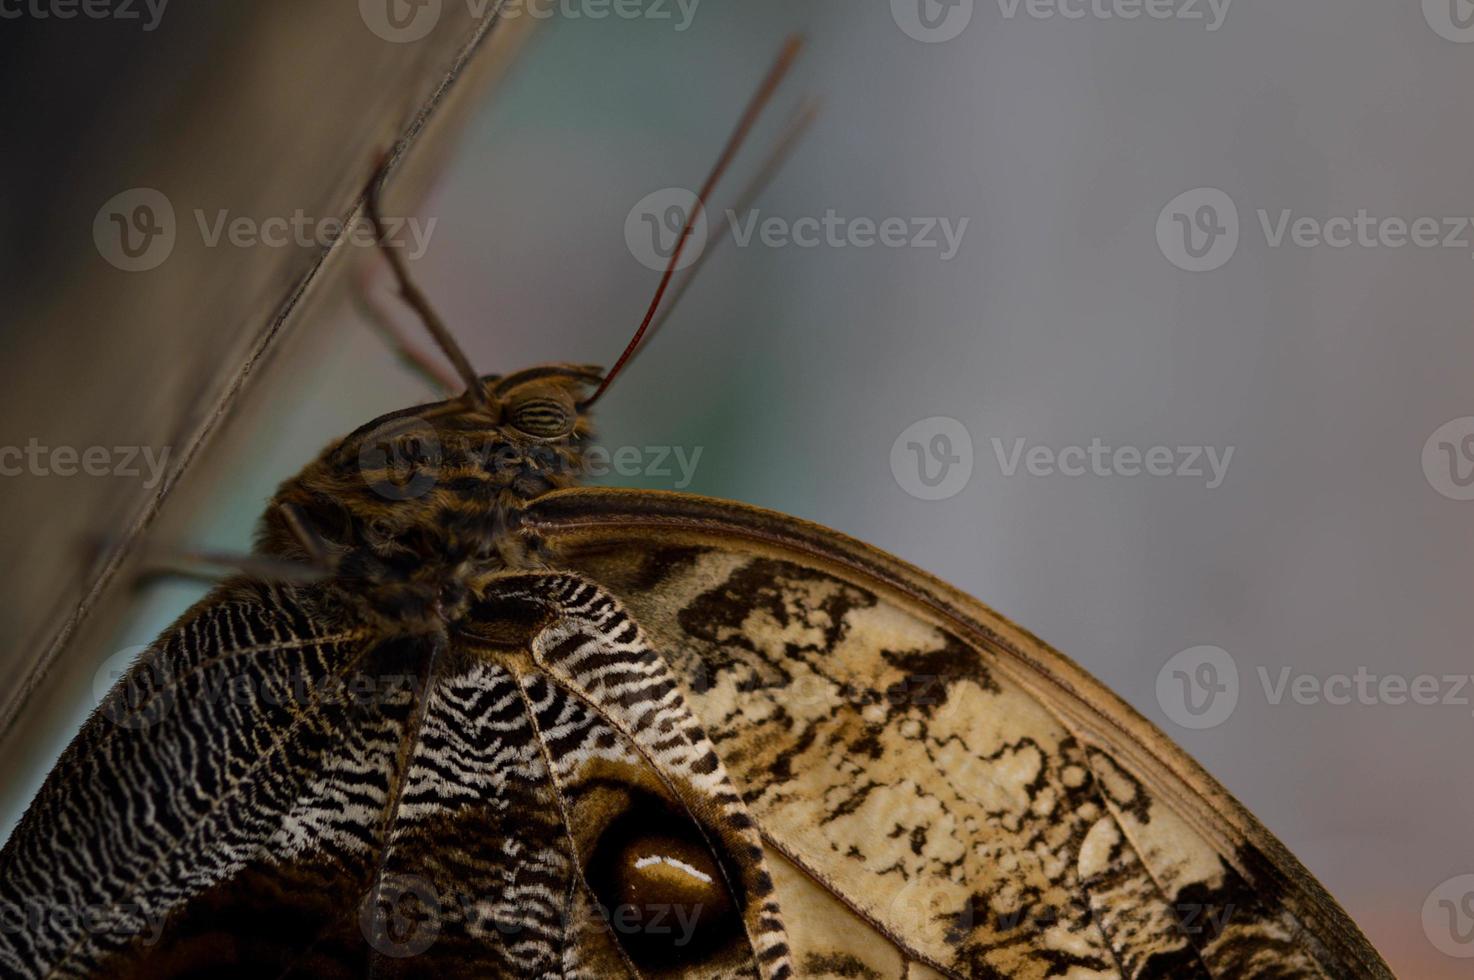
column 510, row 727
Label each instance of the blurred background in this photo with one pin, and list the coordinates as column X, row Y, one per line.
column 1197, row 228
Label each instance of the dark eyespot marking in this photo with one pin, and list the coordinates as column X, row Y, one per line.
column 667, row 897
column 542, row 417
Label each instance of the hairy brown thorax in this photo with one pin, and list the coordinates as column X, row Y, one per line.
column 415, row 507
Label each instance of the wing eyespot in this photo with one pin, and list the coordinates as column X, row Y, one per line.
column 666, row 895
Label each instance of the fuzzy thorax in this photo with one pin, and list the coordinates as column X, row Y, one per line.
column 410, row 509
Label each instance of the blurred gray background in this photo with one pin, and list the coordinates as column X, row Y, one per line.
column 1062, row 318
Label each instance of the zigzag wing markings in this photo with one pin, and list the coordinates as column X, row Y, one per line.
column 443, row 819
column 177, row 781
column 1066, row 880
column 477, row 874
column 552, row 752
column 600, row 667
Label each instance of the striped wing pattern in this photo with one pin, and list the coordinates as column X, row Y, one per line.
column 165, row 788
column 270, row 795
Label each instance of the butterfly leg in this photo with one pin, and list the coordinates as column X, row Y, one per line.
column 215, row 565
column 416, row 358
column 417, row 300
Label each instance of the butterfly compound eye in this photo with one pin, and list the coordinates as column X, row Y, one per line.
column 542, row 416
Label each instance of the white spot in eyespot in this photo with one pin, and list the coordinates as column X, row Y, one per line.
column 645, row 862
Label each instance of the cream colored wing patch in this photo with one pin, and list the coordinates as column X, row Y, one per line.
column 939, row 802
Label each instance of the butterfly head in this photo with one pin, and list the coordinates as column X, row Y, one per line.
column 541, row 403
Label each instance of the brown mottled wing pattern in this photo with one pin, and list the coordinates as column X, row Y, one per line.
column 271, row 796
column 937, row 790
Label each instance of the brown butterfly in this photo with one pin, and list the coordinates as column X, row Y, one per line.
column 515, row 728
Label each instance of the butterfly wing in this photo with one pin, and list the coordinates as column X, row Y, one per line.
column 180, row 780
column 937, row 789
column 271, row 794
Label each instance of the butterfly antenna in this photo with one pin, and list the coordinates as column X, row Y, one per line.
column 792, row 133
column 759, row 101
column 419, row 302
